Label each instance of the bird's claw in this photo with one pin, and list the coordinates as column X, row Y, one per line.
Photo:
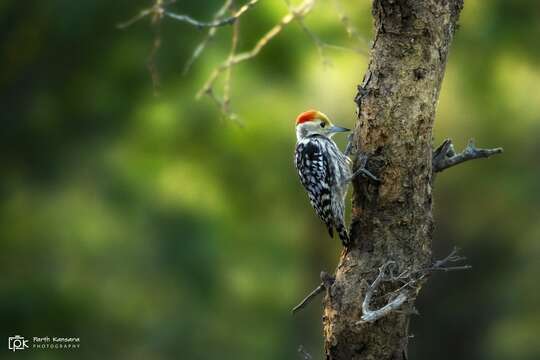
column 367, row 174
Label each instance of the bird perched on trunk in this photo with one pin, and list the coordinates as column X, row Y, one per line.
column 324, row 170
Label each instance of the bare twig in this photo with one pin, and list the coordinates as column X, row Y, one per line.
column 215, row 23
column 327, row 281
column 444, row 156
column 319, row 43
column 216, row 99
column 351, row 30
column 374, row 315
column 319, row 289
column 316, row 40
column 228, row 74
column 410, row 279
column 209, row 36
column 452, row 257
column 322, row 45
column 224, row 103
column 369, row 315
column 440, row 265
column 301, row 10
column 142, row 14
column 158, row 10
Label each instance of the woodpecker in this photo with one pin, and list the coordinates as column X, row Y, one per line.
column 323, row 169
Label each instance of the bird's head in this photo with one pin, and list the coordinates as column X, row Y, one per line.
column 314, row 122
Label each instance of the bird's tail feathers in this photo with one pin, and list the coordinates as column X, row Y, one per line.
column 343, row 235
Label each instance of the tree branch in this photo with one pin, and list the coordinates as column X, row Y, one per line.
column 408, row 277
column 327, row 281
column 215, row 23
column 301, row 10
column 352, row 32
column 158, row 11
column 452, row 257
column 320, row 44
column 369, row 315
column 209, row 36
column 225, row 109
column 445, row 157
column 319, row 289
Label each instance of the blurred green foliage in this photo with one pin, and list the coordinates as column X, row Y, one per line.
column 152, row 229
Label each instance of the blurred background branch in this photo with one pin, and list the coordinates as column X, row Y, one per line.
column 295, row 12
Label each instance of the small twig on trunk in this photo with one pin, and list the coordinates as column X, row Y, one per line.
column 439, row 265
column 408, row 278
column 319, row 289
column 445, row 156
column 373, row 315
column 452, row 257
column 327, row 281
column 447, row 269
column 369, row 315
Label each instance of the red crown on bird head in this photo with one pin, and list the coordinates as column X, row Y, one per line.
column 307, row 116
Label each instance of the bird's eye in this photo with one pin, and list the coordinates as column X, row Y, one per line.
column 323, row 124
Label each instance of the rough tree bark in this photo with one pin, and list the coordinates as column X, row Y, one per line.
column 392, row 221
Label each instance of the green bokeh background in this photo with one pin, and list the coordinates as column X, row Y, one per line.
column 153, row 229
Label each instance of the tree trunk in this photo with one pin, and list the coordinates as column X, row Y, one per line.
column 392, row 220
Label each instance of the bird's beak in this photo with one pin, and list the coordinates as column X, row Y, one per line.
column 336, row 129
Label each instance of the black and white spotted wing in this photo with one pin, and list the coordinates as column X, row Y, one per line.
column 318, row 176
